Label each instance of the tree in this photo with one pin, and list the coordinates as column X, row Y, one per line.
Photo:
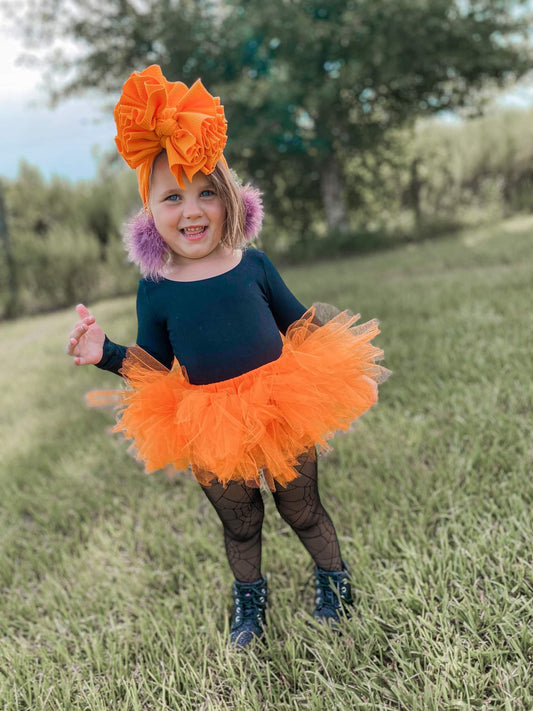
column 306, row 83
column 10, row 307
column 330, row 79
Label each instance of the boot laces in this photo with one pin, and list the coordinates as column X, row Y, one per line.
column 327, row 594
column 249, row 603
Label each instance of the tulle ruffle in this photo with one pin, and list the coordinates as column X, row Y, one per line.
column 253, row 427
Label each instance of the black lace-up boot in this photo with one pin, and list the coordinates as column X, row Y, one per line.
column 333, row 596
column 250, row 600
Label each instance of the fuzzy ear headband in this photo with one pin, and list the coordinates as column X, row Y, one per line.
column 148, row 250
column 154, row 114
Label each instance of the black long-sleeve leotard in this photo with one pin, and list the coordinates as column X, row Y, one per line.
column 219, row 327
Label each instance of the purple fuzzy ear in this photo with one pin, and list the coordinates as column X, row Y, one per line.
column 253, row 211
column 145, row 246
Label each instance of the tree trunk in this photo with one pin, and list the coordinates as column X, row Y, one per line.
column 414, row 192
column 332, row 189
column 12, row 287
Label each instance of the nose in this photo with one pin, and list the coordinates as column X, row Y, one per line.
column 191, row 208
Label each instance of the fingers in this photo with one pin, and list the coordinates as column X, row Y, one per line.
column 82, row 310
column 84, row 314
column 72, row 346
column 80, row 360
column 81, row 327
column 78, row 330
column 75, row 335
column 88, row 320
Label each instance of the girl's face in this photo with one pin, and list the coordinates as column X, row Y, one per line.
column 190, row 220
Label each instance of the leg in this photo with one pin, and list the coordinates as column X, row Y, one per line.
column 300, row 506
column 241, row 509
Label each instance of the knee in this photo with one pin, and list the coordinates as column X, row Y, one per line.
column 301, row 517
column 245, row 523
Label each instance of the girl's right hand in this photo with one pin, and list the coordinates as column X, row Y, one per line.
column 86, row 340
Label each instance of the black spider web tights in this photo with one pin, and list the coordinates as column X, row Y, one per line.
column 241, row 510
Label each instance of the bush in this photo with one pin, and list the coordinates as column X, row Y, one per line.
column 117, row 276
column 56, row 270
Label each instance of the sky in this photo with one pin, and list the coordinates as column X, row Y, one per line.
column 61, row 141
column 58, row 141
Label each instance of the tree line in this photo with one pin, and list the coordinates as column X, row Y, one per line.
column 307, row 84
column 62, row 241
column 323, row 98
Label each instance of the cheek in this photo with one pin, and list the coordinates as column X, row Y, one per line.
column 158, row 224
column 220, row 215
column 161, row 219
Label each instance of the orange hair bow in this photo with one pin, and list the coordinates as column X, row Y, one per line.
column 154, row 114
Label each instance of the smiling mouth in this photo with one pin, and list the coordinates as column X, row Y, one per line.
column 194, row 233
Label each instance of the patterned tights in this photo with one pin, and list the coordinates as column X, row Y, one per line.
column 241, row 509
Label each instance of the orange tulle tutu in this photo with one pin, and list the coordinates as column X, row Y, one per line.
column 253, row 427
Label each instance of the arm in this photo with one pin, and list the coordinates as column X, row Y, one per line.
column 152, row 336
column 89, row 345
column 285, row 307
column 112, row 356
column 152, row 332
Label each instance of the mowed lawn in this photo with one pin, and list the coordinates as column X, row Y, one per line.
column 115, row 590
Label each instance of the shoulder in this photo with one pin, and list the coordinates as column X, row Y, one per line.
column 254, row 260
column 148, row 285
column 254, row 255
column 150, row 281
column 151, row 296
column 259, row 258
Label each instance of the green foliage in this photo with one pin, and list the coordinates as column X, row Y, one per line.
column 66, row 238
column 305, row 83
column 459, row 182
column 116, row 276
column 36, row 205
column 325, row 80
column 482, row 164
column 57, row 270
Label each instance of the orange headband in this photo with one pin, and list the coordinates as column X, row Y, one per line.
column 155, row 114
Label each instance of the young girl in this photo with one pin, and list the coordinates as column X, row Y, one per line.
column 214, row 386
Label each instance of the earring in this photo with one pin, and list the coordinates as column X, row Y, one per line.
column 144, row 244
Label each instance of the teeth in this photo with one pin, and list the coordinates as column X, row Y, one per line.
column 193, row 230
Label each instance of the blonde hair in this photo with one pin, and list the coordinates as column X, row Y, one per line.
column 228, row 187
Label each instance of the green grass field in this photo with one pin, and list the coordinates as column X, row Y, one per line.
column 115, row 587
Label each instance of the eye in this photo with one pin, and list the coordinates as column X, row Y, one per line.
column 207, row 193
column 172, row 198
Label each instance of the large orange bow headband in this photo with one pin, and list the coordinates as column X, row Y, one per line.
column 155, row 114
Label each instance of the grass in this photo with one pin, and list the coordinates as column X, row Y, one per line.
column 115, row 590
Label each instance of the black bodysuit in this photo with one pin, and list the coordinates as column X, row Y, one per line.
column 218, row 327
